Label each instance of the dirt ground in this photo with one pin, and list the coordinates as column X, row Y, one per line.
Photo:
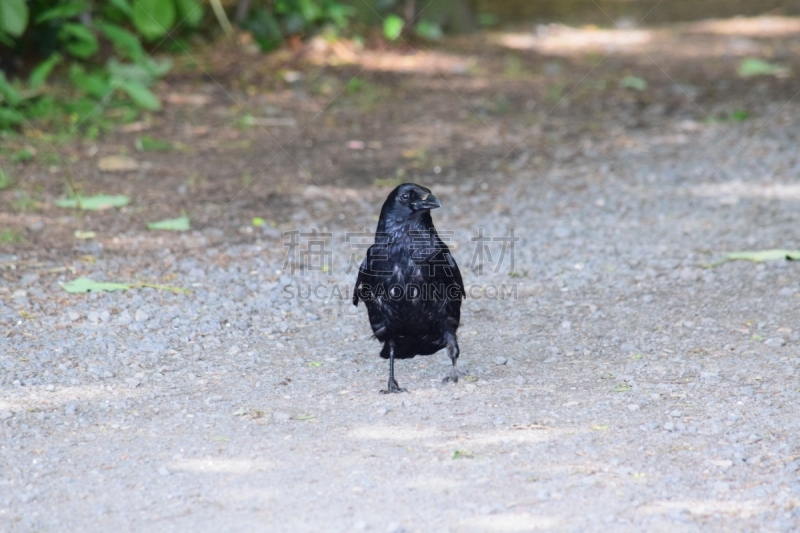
column 622, row 381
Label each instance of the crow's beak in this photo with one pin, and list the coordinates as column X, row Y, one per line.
column 428, row 201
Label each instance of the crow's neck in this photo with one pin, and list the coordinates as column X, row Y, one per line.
column 398, row 230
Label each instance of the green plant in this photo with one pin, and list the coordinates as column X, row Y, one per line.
column 102, row 42
column 9, row 236
column 392, row 27
column 270, row 24
column 22, row 155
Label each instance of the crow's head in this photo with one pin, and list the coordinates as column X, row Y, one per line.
column 408, row 199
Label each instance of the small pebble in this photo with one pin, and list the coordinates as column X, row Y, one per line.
column 633, row 407
column 140, row 316
column 279, row 415
column 162, row 470
column 775, row 342
column 500, row 360
column 394, row 527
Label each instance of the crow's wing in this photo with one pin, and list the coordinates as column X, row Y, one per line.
column 362, row 276
column 456, row 274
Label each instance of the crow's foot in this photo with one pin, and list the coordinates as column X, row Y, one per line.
column 454, row 375
column 393, row 387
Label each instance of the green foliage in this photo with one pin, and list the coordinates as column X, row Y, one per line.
column 100, row 48
column 9, row 236
column 269, row 25
column 147, row 143
column 752, row 66
column 101, row 44
column 429, row 30
column 20, row 156
column 392, row 27
column 181, row 223
column 633, row 82
column 13, row 17
column 42, row 71
column 93, row 203
column 153, row 18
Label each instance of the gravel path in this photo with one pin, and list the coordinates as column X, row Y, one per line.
column 622, row 386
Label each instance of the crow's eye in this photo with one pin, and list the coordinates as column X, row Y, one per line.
column 405, row 196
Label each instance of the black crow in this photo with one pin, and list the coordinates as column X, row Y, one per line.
column 410, row 282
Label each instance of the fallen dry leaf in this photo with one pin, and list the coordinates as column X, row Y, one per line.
column 117, row 163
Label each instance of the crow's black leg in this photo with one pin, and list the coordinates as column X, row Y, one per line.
column 452, row 352
column 393, row 386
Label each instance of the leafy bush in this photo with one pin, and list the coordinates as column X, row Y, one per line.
column 102, row 41
column 271, row 22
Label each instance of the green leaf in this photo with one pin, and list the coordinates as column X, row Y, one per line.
column 13, row 17
column 171, row 224
column 121, row 72
column 93, row 203
column 740, row 116
column 8, row 92
column 622, row 387
column 764, row 255
column 462, row 454
column 305, row 417
column 42, row 71
column 309, row 10
column 123, row 5
column 258, row 222
column 189, row 12
column 125, row 42
column 149, row 144
column 157, row 68
column 9, row 236
column 633, row 82
column 153, row 18
column 339, row 13
column 315, row 364
column 22, row 155
column 141, row 95
column 10, row 117
column 87, row 285
column 94, row 84
column 265, row 29
column 81, row 42
column 63, row 11
column 752, row 66
column 393, row 27
column 429, row 30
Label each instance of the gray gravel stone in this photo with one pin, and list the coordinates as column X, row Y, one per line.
column 775, row 342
